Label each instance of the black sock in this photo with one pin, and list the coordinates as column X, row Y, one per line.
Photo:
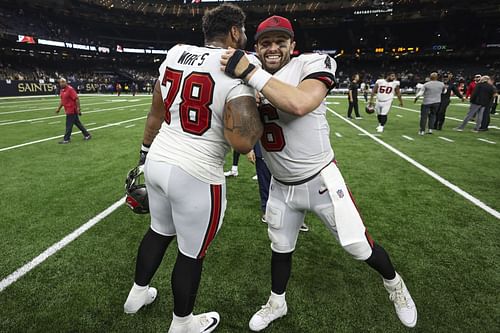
column 185, row 281
column 383, row 119
column 380, row 261
column 281, row 268
column 236, row 158
column 379, row 117
column 149, row 256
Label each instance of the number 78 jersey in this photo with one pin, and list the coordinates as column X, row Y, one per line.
column 195, row 91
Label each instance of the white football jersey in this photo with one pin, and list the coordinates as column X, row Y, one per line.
column 386, row 89
column 296, row 148
column 195, row 90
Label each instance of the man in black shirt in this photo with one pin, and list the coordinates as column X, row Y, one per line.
column 445, row 101
column 353, row 97
column 480, row 99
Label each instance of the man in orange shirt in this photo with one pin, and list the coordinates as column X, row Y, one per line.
column 71, row 104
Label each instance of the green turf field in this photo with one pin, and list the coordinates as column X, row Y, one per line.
column 444, row 246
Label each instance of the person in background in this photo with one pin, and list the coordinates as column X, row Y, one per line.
column 118, row 88
column 489, row 109
column 431, row 91
column 445, row 101
column 480, row 99
column 353, row 97
column 133, row 88
column 472, row 85
column 71, row 104
column 365, row 88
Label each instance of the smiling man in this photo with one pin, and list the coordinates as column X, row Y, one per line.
column 296, row 147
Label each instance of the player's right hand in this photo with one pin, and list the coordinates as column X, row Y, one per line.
column 251, row 157
column 143, row 153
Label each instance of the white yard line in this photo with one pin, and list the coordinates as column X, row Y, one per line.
column 63, row 115
column 37, row 122
column 400, row 116
column 21, row 271
column 338, row 134
column 5, row 120
column 487, row 141
column 90, row 124
column 54, row 122
column 60, row 136
column 363, row 134
column 408, row 137
column 423, row 168
column 128, row 126
column 47, row 108
column 446, row 139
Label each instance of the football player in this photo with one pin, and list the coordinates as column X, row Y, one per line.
column 196, row 111
column 305, row 177
column 385, row 89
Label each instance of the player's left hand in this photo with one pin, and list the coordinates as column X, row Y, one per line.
column 240, row 67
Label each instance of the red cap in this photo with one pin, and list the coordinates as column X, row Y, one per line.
column 274, row 23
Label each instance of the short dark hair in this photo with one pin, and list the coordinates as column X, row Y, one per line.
column 217, row 22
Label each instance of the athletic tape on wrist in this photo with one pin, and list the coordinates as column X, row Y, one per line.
column 145, row 148
column 259, row 79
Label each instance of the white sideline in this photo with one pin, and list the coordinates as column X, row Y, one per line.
column 408, row 137
column 60, row 136
column 423, row 168
column 487, row 141
column 445, row 139
column 63, row 115
column 20, row 272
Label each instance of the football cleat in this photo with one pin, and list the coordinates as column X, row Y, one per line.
column 403, row 303
column 267, row 314
column 380, row 128
column 202, row 323
column 304, row 228
column 138, row 298
column 231, row 173
column 135, row 189
column 369, row 109
column 421, row 132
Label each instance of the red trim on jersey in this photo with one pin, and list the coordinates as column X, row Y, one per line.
column 215, row 214
column 326, row 77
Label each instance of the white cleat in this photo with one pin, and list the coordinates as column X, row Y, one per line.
column 202, row 323
column 304, row 228
column 266, row 315
column 380, row 129
column 403, row 303
column 138, row 298
column 231, row 173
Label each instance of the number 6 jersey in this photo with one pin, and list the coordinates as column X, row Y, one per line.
column 296, row 148
column 195, row 90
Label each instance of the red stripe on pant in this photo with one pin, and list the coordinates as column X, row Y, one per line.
column 215, row 214
column 367, row 234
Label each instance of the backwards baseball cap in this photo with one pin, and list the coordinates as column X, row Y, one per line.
column 274, row 23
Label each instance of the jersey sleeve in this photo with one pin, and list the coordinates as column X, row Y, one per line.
column 396, row 84
column 240, row 90
column 320, row 67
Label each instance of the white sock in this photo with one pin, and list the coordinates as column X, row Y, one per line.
column 234, row 168
column 139, row 288
column 393, row 282
column 278, row 299
column 176, row 320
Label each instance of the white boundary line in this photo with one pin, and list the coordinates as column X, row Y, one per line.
column 338, row 134
column 423, row 168
column 63, row 115
column 45, row 108
column 20, row 272
column 60, row 136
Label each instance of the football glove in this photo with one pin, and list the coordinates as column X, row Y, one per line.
column 143, row 153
